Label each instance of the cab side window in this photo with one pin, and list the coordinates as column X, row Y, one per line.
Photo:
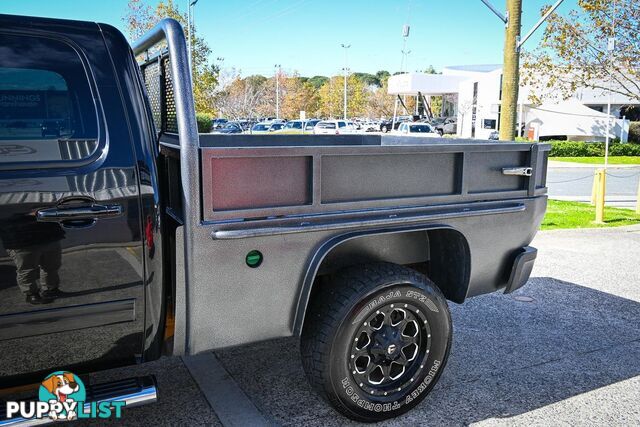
column 47, row 110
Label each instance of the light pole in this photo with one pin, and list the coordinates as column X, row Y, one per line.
column 277, row 67
column 190, row 23
column 405, row 60
column 346, row 71
column 510, row 69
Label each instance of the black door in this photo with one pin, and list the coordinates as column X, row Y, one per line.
column 70, row 237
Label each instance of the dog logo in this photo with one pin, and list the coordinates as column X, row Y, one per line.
column 63, row 391
column 62, row 397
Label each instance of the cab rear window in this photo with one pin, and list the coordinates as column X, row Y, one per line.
column 47, row 112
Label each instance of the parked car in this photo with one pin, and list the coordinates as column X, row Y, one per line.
column 445, row 125
column 232, row 127
column 370, row 126
column 293, row 125
column 311, row 123
column 416, row 129
column 333, row 127
column 218, row 123
column 167, row 242
column 266, row 127
column 385, row 125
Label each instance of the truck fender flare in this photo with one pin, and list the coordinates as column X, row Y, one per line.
column 316, row 259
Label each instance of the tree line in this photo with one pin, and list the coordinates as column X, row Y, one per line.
column 317, row 96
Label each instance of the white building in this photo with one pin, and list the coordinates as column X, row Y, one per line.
column 473, row 94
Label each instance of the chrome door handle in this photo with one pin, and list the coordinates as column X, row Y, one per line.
column 518, row 171
column 91, row 212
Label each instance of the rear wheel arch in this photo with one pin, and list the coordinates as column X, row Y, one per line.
column 448, row 261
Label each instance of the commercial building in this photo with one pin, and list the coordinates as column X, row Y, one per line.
column 473, row 94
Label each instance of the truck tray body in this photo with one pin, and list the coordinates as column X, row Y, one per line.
column 295, row 199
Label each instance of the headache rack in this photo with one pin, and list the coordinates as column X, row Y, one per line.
column 170, row 91
column 156, row 73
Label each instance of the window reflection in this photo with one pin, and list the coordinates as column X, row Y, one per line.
column 46, row 105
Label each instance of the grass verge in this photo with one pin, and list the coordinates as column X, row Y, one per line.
column 563, row 214
column 613, row 160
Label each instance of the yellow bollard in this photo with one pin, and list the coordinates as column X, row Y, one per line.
column 638, row 200
column 594, row 188
column 601, row 178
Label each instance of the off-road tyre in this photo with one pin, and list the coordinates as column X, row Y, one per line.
column 362, row 326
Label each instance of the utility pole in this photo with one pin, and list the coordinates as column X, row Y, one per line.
column 346, row 72
column 510, row 71
column 510, row 68
column 190, row 25
column 277, row 66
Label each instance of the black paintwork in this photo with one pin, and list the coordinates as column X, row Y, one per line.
column 110, row 269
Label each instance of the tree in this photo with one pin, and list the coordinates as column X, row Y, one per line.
column 380, row 103
column 368, row 79
column 318, row 81
column 246, row 97
column 430, row 70
column 331, row 97
column 298, row 95
column 141, row 17
column 573, row 51
column 382, row 75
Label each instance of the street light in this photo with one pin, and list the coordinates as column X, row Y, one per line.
column 346, row 71
column 405, row 60
column 190, row 23
column 277, row 67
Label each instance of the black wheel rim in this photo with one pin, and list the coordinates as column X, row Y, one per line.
column 389, row 349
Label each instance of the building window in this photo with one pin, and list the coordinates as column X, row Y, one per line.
column 489, row 124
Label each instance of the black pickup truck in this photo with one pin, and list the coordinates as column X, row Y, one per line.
column 129, row 236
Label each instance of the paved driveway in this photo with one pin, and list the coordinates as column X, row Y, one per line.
column 574, row 182
column 564, row 350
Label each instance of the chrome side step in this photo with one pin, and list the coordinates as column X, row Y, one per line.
column 134, row 392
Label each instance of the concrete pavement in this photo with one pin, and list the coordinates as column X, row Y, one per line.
column 564, row 350
column 575, row 182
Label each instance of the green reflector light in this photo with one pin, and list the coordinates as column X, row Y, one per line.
column 254, row 259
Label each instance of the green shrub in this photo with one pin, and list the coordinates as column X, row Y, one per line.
column 204, row 123
column 576, row 149
column 624, row 150
column 634, row 132
column 591, row 149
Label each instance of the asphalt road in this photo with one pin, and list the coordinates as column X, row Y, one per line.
column 563, row 350
column 575, row 183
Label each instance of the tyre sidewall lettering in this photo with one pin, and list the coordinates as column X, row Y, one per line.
column 351, row 394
